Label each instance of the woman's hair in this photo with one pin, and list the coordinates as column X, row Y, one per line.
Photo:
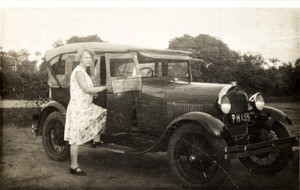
column 78, row 56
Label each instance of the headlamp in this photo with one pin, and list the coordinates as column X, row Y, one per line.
column 257, row 101
column 225, row 104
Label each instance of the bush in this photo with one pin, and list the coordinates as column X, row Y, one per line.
column 19, row 77
column 24, row 85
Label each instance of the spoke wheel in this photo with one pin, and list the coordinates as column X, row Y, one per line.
column 193, row 155
column 53, row 137
column 266, row 159
column 270, row 162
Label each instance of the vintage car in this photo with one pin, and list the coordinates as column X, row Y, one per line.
column 153, row 105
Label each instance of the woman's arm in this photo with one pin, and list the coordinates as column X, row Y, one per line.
column 83, row 84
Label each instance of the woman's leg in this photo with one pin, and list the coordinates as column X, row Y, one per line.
column 97, row 137
column 74, row 155
column 74, row 163
column 103, row 128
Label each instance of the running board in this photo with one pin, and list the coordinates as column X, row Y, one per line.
column 111, row 147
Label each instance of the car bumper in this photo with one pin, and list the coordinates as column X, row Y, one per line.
column 259, row 148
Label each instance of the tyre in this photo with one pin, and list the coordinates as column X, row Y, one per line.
column 194, row 156
column 271, row 162
column 53, row 137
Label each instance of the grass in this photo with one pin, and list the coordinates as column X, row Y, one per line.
column 22, row 117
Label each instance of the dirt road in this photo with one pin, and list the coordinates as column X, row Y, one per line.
column 25, row 165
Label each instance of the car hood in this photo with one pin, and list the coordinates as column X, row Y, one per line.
column 182, row 91
column 193, row 92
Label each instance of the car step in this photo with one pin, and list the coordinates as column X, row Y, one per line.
column 111, row 147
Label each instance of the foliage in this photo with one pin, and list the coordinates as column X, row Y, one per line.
column 77, row 39
column 206, row 47
column 20, row 78
column 249, row 70
column 219, row 59
column 290, row 76
column 90, row 38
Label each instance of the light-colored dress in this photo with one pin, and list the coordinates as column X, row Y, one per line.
column 84, row 120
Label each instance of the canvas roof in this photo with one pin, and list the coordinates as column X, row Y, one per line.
column 116, row 48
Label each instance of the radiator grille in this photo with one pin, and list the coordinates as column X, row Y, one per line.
column 239, row 102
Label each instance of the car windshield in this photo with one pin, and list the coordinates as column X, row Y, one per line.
column 174, row 69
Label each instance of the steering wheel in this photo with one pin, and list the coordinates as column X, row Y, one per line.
column 146, row 72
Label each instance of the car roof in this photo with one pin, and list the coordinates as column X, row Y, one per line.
column 111, row 48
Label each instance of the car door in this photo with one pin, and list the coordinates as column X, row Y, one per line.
column 152, row 97
column 123, row 87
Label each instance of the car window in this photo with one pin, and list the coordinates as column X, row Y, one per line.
column 122, row 67
column 147, row 69
column 69, row 61
column 95, row 68
column 173, row 69
column 58, row 76
column 57, row 66
column 178, row 69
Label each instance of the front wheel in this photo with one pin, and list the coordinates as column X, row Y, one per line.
column 270, row 162
column 53, row 137
column 194, row 156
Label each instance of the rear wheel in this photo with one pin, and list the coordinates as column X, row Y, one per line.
column 270, row 162
column 53, row 137
column 194, row 156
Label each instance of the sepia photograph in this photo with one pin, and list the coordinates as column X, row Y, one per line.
column 150, row 94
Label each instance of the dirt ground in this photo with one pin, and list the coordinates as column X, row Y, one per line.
column 25, row 165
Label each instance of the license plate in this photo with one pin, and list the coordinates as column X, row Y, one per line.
column 237, row 118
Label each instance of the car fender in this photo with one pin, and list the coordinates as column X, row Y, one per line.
column 276, row 116
column 46, row 110
column 54, row 104
column 213, row 125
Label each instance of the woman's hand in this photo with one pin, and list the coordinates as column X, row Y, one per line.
column 101, row 88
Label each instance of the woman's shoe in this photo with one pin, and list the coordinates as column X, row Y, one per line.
column 77, row 171
column 95, row 144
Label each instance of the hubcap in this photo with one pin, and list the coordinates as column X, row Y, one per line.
column 192, row 158
column 195, row 158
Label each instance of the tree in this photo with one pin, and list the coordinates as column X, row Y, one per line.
column 219, row 59
column 291, row 79
column 90, row 38
column 274, row 61
column 24, row 82
column 77, row 39
column 206, row 47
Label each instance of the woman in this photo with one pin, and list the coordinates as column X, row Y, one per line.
column 84, row 120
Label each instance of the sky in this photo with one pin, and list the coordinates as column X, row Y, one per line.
column 271, row 31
